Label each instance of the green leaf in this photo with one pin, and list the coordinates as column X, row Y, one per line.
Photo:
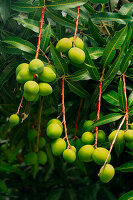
column 83, row 17
column 130, row 100
column 131, row 111
column 114, row 43
column 99, row 1
column 5, row 9
column 95, row 52
column 60, row 64
column 77, row 89
column 6, row 74
column 3, row 187
column 121, row 95
column 61, row 20
column 95, row 33
column 89, row 8
column 126, row 9
column 108, row 16
column 24, row 7
column 45, row 37
column 111, row 97
column 60, row 5
column 126, row 60
column 107, row 119
column 126, row 167
column 127, row 196
column 42, row 2
column 21, row 44
column 82, row 74
column 90, row 66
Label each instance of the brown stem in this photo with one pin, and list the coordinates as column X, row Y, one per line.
column 45, row 56
column 63, row 112
column 98, row 112
column 20, row 105
column 76, row 126
column 111, row 147
column 76, row 28
column 124, row 87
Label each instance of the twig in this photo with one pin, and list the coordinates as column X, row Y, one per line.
column 20, row 105
column 63, row 112
column 104, row 25
column 76, row 126
column 124, row 87
column 45, row 56
column 111, row 147
column 76, row 28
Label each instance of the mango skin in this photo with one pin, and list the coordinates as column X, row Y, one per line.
column 79, row 143
column 64, row 45
column 31, row 158
column 32, row 134
column 87, row 138
column 69, row 155
column 45, row 89
column 99, row 155
column 120, row 137
column 47, row 75
column 36, row 66
column 29, row 97
column 58, row 146
column 76, row 55
column 14, row 120
column 87, row 125
column 128, row 135
column 129, row 145
column 101, row 136
column 107, row 173
column 56, row 121
column 42, row 157
column 23, row 74
column 31, row 88
column 42, row 142
column 131, row 125
column 78, row 42
column 54, row 131
column 85, row 153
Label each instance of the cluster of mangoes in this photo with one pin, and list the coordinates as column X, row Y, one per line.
column 76, row 54
column 40, row 157
column 34, row 87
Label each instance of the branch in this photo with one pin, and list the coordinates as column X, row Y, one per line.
column 76, row 28
column 124, row 87
column 111, row 147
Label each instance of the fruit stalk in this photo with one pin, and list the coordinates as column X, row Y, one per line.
column 76, row 28
column 98, row 112
column 20, row 105
column 112, row 144
column 124, row 87
column 40, row 33
column 63, row 112
column 76, row 126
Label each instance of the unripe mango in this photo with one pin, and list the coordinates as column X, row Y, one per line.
column 76, row 55
column 58, row 146
column 45, row 89
column 87, row 126
column 31, row 88
column 128, row 135
column 85, row 153
column 36, row 66
column 56, row 121
column 21, row 67
column 47, row 75
column 120, row 137
column 69, row 155
column 42, row 142
column 42, row 157
column 64, row 45
column 31, row 158
column 100, row 154
column 78, row 42
column 129, row 145
column 87, row 138
column 79, row 143
column 107, row 173
column 14, row 120
column 29, row 97
column 54, row 131
column 23, row 74
column 101, row 136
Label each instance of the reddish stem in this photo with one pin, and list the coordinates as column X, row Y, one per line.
column 124, row 87
column 76, row 126
column 63, row 112
column 98, row 112
column 20, row 105
column 40, row 33
column 76, row 28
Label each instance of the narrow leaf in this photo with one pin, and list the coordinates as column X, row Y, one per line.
column 45, row 37
column 95, row 52
column 126, row 9
column 99, row 1
column 4, row 9
column 126, row 167
column 127, row 196
column 111, row 97
column 82, row 74
column 130, row 100
column 121, row 94
column 126, row 60
column 24, row 7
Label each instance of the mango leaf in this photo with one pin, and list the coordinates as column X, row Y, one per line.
column 127, row 196
column 126, row 9
column 82, row 74
column 111, row 97
column 126, row 167
column 21, row 44
column 114, row 43
column 60, row 5
column 131, row 111
column 130, row 100
column 45, row 37
column 77, row 89
column 5, row 9
column 60, row 64
column 99, row 1
column 83, row 17
column 89, row 8
column 61, row 20
column 24, row 7
column 90, row 66
column 41, row 2
column 6, row 74
column 107, row 119
column 108, row 16
column 121, row 95
column 95, row 32
column 126, row 60
column 95, row 52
